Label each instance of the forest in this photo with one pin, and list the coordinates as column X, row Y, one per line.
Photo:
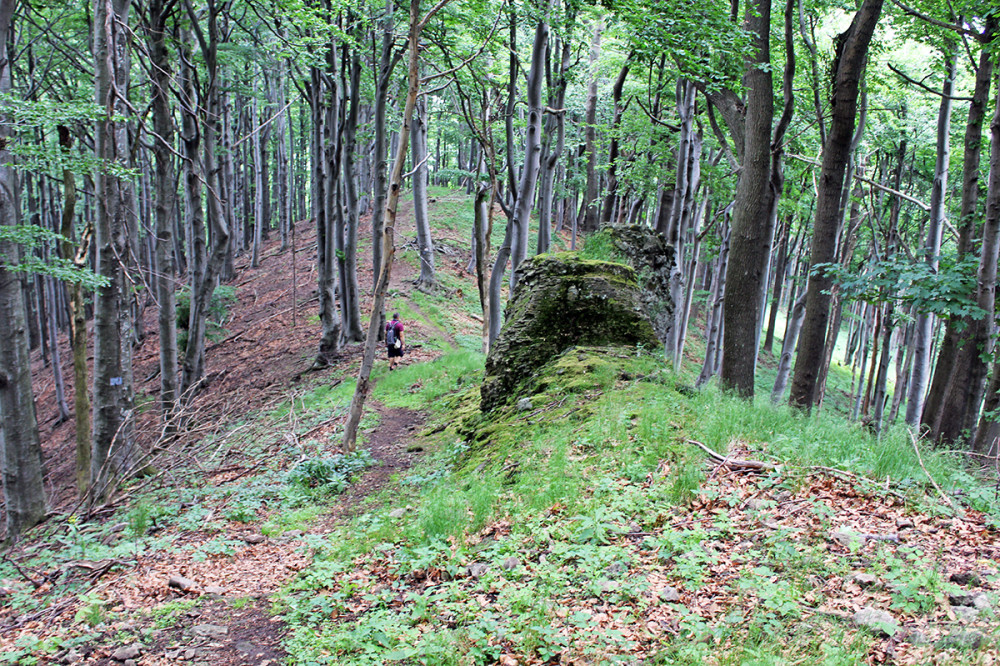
column 797, row 158
column 826, row 175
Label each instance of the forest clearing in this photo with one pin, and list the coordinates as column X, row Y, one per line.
column 697, row 332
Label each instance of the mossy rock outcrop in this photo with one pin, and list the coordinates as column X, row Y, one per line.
column 647, row 251
column 561, row 301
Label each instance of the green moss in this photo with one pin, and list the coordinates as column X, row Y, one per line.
column 563, row 301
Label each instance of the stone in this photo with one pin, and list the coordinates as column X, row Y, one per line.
column 126, row 652
column 981, row 602
column 246, row 647
column 669, row 595
column 129, row 662
column 210, row 631
column 965, row 578
column 617, row 569
column 397, row 513
column 755, row 504
column 634, row 527
column 254, row 539
column 965, row 613
column 876, row 621
column 961, row 599
column 562, row 301
column 966, row 639
column 608, row 586
column 863, row 580
column 72, row 657
column 180, row 583
column 524, row 405
column 294, row 534
column 915, row 637
column 904, row 524
column 845, row 538
column 511, row 563
column 215, row 590
column 477, row 569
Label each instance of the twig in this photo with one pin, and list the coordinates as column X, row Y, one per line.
column 732, row 463
column 916, row 449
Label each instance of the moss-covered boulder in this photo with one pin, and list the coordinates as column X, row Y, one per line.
column 647, row 251
column 561, row 301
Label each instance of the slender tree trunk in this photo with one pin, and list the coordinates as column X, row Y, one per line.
column 945, row 423
column 532, row 148
column 78, row 321
column 613, row 149
column 792, row 327
column 427, row 281
column 112, row 407
column 714, row 327
column 923, row 339
column 849, row 65
column 388, row 245
column 588, row 217
column 350, row 300
column 166, row 193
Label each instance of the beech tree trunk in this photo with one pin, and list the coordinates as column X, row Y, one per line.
column 924, row 339
column 532, row 149
column 165, row 185
column 427, row 281
column 112, row 330
column 388, row 245
column 952, row 403
column 588, row 217
column 849, row 65
column 751, row 235
column 22, row 469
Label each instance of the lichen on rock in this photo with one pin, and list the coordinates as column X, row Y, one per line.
column 562, row 301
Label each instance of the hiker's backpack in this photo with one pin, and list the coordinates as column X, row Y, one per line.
column 390, row 334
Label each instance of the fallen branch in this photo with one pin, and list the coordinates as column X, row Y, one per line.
column 733, row 463
column 916, row 449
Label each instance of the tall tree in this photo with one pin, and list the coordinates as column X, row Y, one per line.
column 924, row 331
column 848, row 68
column 23, row 489
column 751, row 232
column 112, row 328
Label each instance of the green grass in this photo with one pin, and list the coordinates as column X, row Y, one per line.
column 566, row 483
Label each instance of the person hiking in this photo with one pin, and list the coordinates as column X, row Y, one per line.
column 394, row 340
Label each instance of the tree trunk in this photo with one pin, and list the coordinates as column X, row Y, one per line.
column 751, row 234
column 713, row 328
column 388, row 245
column 78, row 321
column 923, row 338
column 427, row 281
column 849, row 65
column 945, row 423
column 532, row 148
column 166, row 192
column 792, row 327
column 588, row 217
column 112, row 407
column 22, row 469
column 350, row 300
column 204, row 282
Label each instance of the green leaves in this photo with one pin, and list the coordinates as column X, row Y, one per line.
column 947, row 292
column 31, row 237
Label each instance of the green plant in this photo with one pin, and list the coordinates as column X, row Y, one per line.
column 91, row 611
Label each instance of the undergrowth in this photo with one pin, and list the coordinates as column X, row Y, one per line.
column 557, row 532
